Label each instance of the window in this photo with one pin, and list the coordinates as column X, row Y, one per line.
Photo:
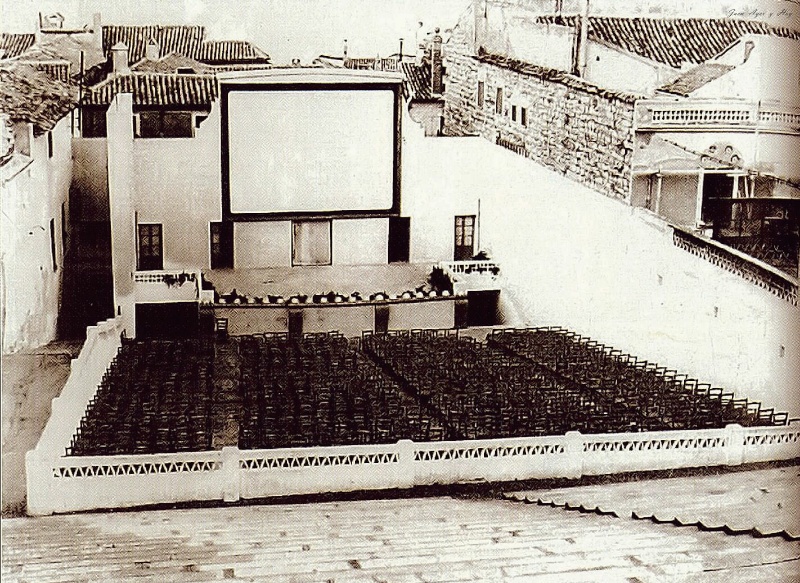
column 165, row 124
column 498, row 104
column 64, row 226
column 221, row 241
column 50, row 144
column 93, row 123
column 150, row 247
column 53, row 243
column 523, row 116
column 513, row 113
column 481, row 92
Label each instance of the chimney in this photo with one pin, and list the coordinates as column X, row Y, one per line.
column 480, row 9
column 748, row 49
column 119, row 59
column 436, row 64
column 581, row 45
column 152, row 51
column 97, row 31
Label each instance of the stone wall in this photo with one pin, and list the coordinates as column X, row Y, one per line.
column 571, row 126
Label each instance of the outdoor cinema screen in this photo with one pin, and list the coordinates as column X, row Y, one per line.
column 311, row 150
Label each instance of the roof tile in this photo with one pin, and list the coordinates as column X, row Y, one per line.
column 156, row 90
column 30, row 95
column 416, row 81
column 13, row 44
column 672, row 41
column 187, row 40
column 554, row 75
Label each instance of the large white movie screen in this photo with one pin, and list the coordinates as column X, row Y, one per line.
column 310, row 150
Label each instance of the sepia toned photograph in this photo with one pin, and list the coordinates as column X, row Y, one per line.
column 400, row 291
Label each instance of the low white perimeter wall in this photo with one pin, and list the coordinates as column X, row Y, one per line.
column 66, row 484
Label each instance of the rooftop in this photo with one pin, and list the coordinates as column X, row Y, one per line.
column 13, row 44
column 417, row 81
column 693, row 79
column 672, row 41
column 554, row 75
column 32, row 96
column 170, row 64
column 156, row 89
column 76, row 50
column 187, row 40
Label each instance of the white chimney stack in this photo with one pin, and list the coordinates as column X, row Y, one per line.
column 119, row 59
column 97, row 30
column 152, row 51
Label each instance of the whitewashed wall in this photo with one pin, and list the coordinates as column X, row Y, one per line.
column 29, row 201
column 178, row 185
column 575, row 258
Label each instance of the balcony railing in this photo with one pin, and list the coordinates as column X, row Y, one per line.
column 472, row 275
column 690, row 115
column 166, row 286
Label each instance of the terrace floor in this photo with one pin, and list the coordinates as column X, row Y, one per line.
column 759, row 502
column 399, row 540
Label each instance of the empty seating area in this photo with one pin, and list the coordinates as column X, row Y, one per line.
column 648, row 396
column 281, row 390
column 156, row 397
column 320, row 390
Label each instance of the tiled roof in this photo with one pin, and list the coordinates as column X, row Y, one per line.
column 231, row 51
column 186, row 40
column 32, row 96
column 416, row 81
column 696, row 78
column 59, row 70
column 170, row 64
column 330, row 62
column 672, row 41
column 72, row 49
column 157, row 89
column 13, row 44
column 553, row 75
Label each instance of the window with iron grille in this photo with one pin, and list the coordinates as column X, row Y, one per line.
column 165, row 124
column 150, row 247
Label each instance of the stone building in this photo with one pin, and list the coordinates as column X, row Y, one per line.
column 579, row 94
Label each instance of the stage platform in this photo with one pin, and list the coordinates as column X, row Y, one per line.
column 344, row 279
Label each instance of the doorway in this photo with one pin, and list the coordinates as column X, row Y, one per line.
column 167, row 320
column 464, row 244
column 399, row 239
column 311, row 243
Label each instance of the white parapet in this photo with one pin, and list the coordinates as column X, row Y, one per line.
column 58, row 483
